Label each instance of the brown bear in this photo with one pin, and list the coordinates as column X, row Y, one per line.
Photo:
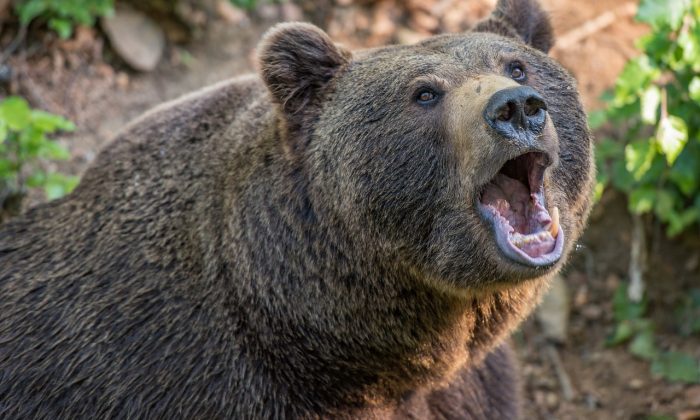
column 346, row 235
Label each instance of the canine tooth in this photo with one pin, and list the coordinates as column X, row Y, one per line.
column 554, row 227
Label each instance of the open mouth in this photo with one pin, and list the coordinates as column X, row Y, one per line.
column 514, row 203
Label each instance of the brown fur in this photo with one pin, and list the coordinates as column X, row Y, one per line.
column 300, row 246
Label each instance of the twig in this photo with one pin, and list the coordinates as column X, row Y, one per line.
column 14, row 44
column 638, row 260
column 594, row 25
column 567, row 390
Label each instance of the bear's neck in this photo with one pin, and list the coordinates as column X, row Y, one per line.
column 338, row 325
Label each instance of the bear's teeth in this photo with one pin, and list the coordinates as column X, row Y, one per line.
column 554, row 226
column 521, row 240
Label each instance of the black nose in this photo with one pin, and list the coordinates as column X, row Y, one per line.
column 515, row 110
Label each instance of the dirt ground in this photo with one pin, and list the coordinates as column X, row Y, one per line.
column 85, row 81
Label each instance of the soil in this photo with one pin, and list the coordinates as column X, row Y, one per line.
column 85, row 81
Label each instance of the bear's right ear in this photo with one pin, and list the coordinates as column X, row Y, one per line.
column 296, row 61
column 520, row 19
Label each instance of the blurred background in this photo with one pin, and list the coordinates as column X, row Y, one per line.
column 618, row 337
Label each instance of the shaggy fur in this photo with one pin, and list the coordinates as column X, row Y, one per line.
column 301, row 245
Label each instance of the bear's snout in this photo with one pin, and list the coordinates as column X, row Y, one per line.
column 516, row 113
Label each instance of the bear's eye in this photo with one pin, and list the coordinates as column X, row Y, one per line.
column 517, row 72
column 426, row 97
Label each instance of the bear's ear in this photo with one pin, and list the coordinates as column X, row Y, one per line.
column 296, row 61
column 522, row 19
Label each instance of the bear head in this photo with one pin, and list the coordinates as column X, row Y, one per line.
column 465, row 158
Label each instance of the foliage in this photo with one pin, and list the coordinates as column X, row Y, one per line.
column 689, row 313
column 23, row 143
column 657, row 100
column 250, row 4
column 63, row 15
column 636, row 330
column 245, row 4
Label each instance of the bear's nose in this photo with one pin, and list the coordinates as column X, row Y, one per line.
column 515, row 110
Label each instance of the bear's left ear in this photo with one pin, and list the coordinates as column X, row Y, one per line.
column 297, row 60
column 521, row 19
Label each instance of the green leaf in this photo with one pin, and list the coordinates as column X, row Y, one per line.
column 53, row 150
column 63, row 27
column 636, row 75
column 37, row 179
column 15, row 112
column 676, row 366
column 49, row 123
column 651, row 99
column 3, row 131
column 621, row 178
column 599, row 189
column 690, row 43
column 245, row 4
column 624, row 308
column 694, row 89
column 643, row 345
column 608, row 148
column 685, row 172
column 689, row 313
column 58, row 185
column 679, row 222
column 641, row 200
column 660, row 13
column 596, row 119
column 656, row 45
column 639, row 156
column 623, row 332
column 664, row 205
column 30, row 9
column 672, row 137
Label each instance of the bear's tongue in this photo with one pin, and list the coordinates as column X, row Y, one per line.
column 520, row 213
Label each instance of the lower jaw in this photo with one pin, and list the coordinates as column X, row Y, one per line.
column 517, row 255
column 514, row 253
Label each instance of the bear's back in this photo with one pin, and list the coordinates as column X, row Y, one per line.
column 109, row 294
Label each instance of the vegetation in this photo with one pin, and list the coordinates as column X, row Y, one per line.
column 251, row 4
column 637, row 331
column 657, row 101
column 24, row 145
column 63, row 15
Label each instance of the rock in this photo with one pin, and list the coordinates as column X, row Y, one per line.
column 5, row 73
column 122, row 80
column 612, row 282
column 231, row 13
column 5, row 8
column 540, row 398
column 636, row 384
column 425, row 22
column 553, row 313
column 552, row 400
column 135, row 37
column 269, row 12
column 592, row 312
column 291, row 12
column 689, row 415
column 407, row 37
column 592, row 401
column 692, row 396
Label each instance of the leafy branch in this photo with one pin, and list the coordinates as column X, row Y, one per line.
column 657, row 99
